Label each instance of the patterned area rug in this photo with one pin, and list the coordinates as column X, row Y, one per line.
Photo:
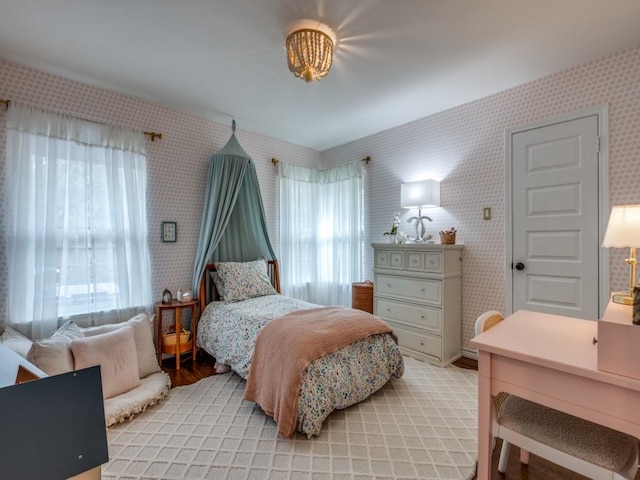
column 421, row 426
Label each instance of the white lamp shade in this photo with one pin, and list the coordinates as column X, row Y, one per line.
column 424, row 193
column 623, row 229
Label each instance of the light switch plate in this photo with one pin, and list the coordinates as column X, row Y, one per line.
column 169, row 231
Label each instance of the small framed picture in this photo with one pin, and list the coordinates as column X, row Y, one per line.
column 169, row 231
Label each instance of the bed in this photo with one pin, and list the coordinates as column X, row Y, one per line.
column 240, row 304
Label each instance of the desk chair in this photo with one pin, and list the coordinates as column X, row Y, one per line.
column 584, row 447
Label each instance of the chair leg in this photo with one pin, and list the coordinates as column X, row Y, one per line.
column 524, row 456
column 504, row 456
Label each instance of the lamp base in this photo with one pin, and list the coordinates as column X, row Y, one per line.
column 426, row 239
column 419, row 228
column 622, row 297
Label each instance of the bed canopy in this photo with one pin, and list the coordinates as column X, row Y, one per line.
column 234, row 226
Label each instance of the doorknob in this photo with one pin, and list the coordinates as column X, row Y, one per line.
column 519, row 266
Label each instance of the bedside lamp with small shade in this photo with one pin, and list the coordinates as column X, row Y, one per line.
column 623, row 231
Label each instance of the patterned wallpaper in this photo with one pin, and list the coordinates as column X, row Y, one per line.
column 463, row 147
column 177, row 164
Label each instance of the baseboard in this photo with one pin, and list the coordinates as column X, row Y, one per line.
column 470, row 353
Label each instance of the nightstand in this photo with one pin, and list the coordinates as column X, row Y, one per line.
column 178, row 348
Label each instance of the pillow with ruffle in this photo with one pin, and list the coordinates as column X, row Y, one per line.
column 244, row 280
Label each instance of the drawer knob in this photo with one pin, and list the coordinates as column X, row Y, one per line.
column 388, row 285
column 388, row 309
column 422, row 290
column 422, row 344
column 422, row 317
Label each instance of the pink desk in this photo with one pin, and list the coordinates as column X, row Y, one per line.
column 551, row 360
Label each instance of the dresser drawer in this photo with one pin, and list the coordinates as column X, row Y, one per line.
column 419, row 290
column 424, row 262
column 389, row 259
column 433, row 262
column 413, row 342
column 418, row 316
column 381, row 260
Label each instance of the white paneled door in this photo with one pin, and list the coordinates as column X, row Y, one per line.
column 555, row 219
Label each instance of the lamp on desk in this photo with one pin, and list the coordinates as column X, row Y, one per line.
column 623, row 231
column 421, row 194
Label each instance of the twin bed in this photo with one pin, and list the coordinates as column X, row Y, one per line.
column 301, row 361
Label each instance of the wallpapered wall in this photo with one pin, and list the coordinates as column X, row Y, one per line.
column 464, row 148
column 177, row 164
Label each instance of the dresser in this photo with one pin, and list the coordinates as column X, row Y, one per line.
column 417, row 291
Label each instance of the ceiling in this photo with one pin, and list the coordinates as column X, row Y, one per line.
column 395, row 61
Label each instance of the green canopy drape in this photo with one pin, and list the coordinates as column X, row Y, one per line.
column 234, row 227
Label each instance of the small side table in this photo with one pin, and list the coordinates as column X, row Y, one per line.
column 179, row 348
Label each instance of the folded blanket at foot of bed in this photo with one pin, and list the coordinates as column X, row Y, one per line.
column 285, row 347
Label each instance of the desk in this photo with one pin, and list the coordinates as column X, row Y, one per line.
column 550, row 360
column 179, row 348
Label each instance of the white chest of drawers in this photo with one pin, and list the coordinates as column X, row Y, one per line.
column 417, row 291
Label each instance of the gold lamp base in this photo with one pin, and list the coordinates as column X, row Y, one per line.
column 626, row 298
column 622, row 297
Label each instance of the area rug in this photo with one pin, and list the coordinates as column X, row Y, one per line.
column 420, row 426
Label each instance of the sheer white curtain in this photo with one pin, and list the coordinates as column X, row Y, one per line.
column 76, row 222
column 320, row 232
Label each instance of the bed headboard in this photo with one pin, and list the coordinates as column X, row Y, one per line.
column 208, row 291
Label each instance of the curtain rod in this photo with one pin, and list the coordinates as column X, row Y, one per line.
column 365, row 160
column 153, row 135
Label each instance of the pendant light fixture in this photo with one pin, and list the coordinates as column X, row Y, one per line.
column 310, row 49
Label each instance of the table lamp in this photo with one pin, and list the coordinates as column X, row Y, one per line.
column 421, row 194
column 623, row 231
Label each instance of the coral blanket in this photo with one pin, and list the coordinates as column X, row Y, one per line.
column 285, row 347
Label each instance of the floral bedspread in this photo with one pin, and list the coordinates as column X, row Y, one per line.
column 228, row 331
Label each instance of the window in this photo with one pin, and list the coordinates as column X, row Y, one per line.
column 76, row 224
column 320, row 232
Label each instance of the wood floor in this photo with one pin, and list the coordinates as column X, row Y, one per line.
column 538, row 469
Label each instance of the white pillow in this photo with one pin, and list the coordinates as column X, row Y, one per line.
column 115, row 352
column 53, row 355
column 143, row 330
